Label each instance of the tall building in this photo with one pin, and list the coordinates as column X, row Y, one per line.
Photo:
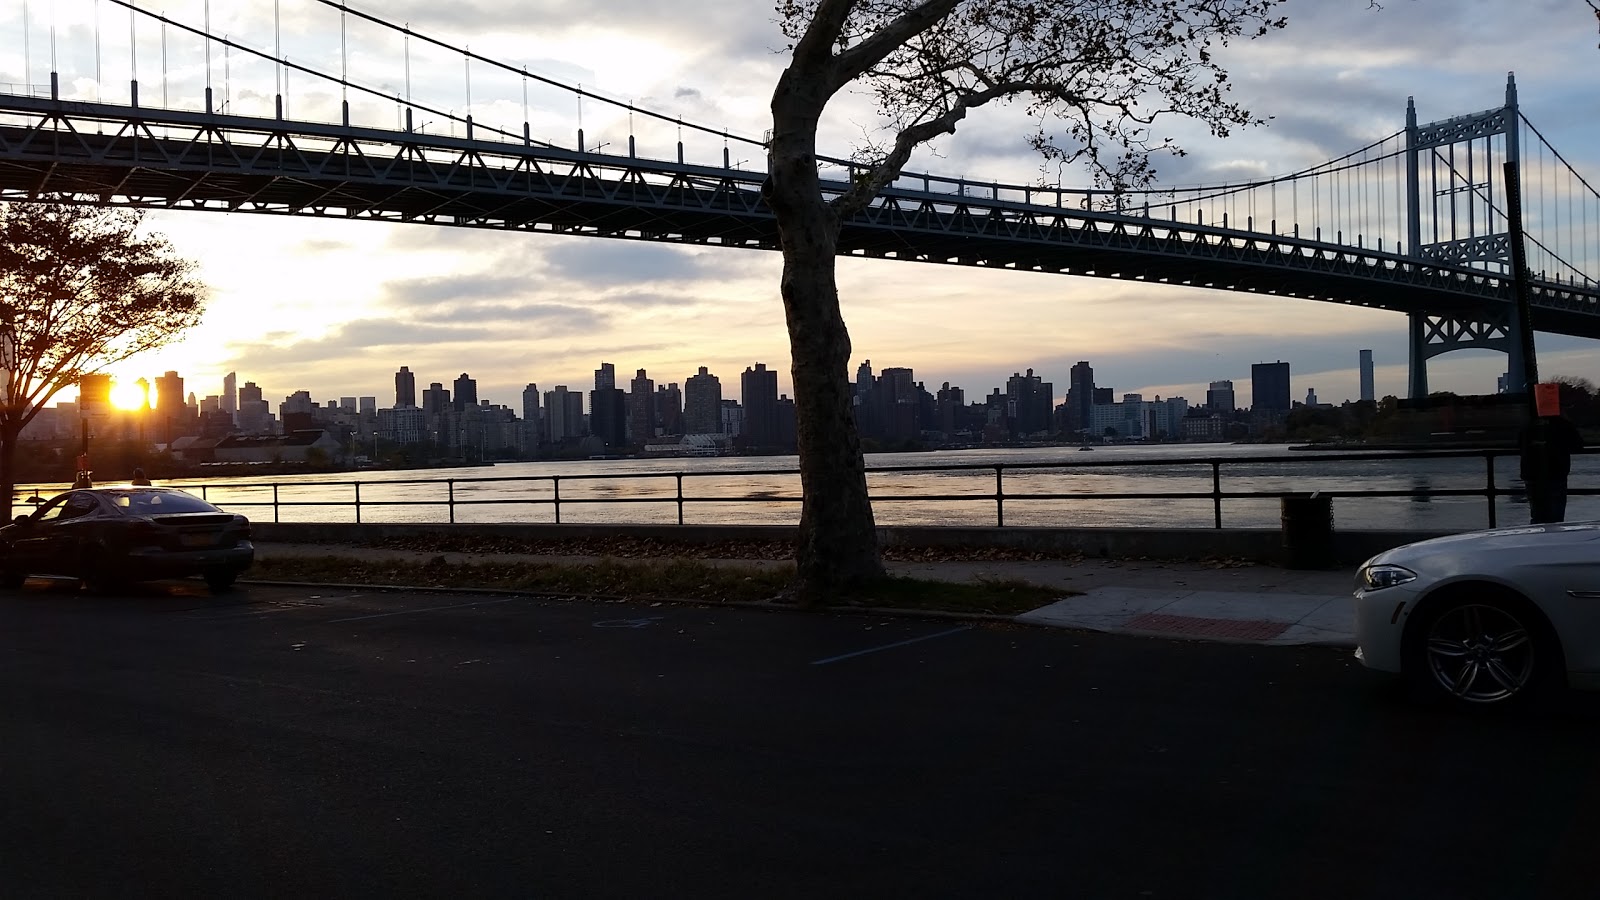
column 605, row 377
column 1367, row 391
column 863, row 378
column 1311, row 397
column 1219, row 397
column 758, row 391
column 608, row 416
column 532, row 419
column 563, row 414
column 732, row 418
column 169, row 393
column 255, row 413
column 436, row 399
column 367, row 406
column 466, row 392
column 702, row 404
column 230, row 395
column 1269, row 387
column 1080, row 388
column 642, row 408
column 1028, row 402
column 405, row 388
column 669, row 409
column 951, row 406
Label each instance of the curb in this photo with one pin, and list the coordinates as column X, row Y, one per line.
column 759, row 605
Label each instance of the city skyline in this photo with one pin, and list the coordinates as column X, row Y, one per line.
column 405, row 380
column 542, row 308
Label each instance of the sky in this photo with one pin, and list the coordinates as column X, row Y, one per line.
column 336, row 307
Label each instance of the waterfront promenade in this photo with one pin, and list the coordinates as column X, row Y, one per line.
column 1223, row 600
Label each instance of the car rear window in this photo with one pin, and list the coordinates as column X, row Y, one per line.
column 153, row 503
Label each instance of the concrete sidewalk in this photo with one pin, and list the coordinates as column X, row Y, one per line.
column 1160, row 598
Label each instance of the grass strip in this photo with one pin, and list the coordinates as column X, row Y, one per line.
column 675, row 579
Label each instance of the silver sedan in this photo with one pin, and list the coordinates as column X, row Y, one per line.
column 1485, row 619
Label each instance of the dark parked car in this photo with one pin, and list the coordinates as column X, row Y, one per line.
column 109, row 535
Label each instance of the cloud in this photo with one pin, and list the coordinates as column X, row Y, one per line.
column 606, row 263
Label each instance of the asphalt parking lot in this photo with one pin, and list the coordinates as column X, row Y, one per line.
column 275, row 740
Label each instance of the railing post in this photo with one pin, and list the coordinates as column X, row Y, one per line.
column 358, row 502
column 680, row 498
column 555, row 484
column 450, row 485
column 1216, row 494
column 1488, row 457
column 274, row 503
column 999, row 498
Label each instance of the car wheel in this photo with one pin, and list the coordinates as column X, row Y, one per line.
column 1488, row 651
column 221, row 581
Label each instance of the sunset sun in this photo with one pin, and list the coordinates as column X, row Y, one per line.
column 126, row 396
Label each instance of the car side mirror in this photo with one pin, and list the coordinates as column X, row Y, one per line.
column 22, row 520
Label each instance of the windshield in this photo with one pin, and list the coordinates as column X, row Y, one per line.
column 156, row 503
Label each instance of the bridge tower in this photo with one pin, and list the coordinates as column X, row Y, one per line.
column 1456, row 203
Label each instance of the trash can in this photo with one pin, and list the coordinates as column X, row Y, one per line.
column 1308, row 531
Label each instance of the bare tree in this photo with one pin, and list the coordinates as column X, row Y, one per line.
column 85, row 287
column 1094, row 75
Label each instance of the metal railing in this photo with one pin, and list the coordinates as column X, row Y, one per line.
column 1217, row 495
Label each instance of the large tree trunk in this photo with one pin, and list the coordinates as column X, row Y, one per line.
column 8, row 470
column 838, row 544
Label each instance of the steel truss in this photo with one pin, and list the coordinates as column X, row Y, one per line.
column 106, row 154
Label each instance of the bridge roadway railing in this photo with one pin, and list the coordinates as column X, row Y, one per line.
column 450, row 501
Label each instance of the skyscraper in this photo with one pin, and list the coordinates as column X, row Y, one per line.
column 169, row 396
column 702, row 404
column 1219, row 397
column 230, row 395
column 1367, row 392
column 1028, row 401
column 758, row 391
column 563, row 414
column 466, row 392
column 1080, row 388
column 608, row 416
column 605, row 377
column 863, row 378
column 642, row 408
column 669, row 409
column 1269, row 387
column 531, row 417
column 405, row 388
column 435, row 399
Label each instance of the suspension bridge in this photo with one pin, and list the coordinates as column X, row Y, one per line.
column 227, row 119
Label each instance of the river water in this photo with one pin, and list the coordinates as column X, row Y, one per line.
column 521, row 491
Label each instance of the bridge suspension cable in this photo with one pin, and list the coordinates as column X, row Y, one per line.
column 1565, row 215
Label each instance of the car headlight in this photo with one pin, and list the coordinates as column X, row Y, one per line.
column 1376, row 578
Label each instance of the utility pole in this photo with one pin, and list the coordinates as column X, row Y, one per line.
column 1519, row 282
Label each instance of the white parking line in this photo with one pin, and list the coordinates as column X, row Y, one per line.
column 407, row 612
column 926, row 637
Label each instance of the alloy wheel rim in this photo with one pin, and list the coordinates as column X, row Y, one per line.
column 1480, row 653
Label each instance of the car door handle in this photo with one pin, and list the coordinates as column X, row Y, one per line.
column 1584, row 595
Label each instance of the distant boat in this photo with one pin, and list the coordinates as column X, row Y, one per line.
column 1085, row 448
